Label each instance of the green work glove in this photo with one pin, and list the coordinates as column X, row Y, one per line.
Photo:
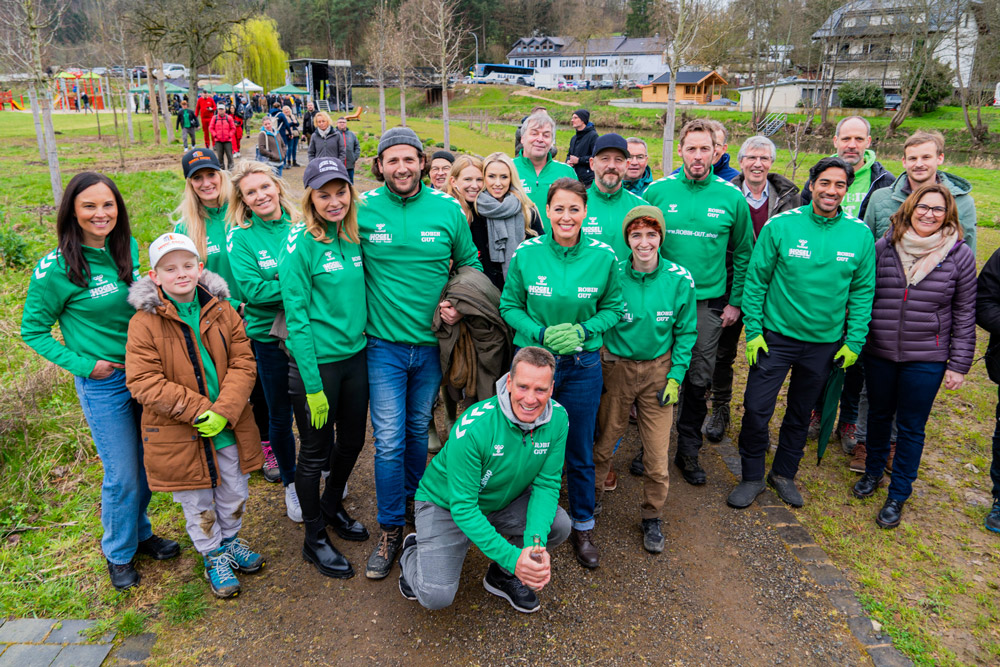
column 753, row 347
column 668, row 395
column 553, row 333
column 210, row 424
column 844, row 357
column 319, row 409
column 571, row 341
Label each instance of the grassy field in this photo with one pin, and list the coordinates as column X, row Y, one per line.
column 932, row 583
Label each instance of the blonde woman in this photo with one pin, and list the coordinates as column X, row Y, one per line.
column 323, row 285
column 324, row 142
column 503, row 216
column 260, row 216
column 465, row 182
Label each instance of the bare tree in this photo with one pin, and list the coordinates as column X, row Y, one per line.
column 584, row 20
column 26, row 30
column 400, row 54
column 977, row 89
column 921, row 33
column 378, row 46
column 438, row 31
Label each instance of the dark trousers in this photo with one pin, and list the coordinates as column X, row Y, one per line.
column 272, row 368
column 694, row 405
column 224, row 151
column 850, row 397
column 905, row 390
column 995, row 467
column 725, row 357
column 345, row 384
column 810, row 365
column 260, row 414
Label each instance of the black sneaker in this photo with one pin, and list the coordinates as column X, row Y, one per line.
column 691, row 470
column 510, row 588
column 652, row 536
column 993, row 518
column 123, row 577
column 380, row 562
column 715, row 430
column 637, row 467
column 159, row 548
column 409, row 542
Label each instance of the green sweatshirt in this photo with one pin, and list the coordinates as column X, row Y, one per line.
column 93, row 319
column 323, row 285
column 703, row 218
column 536, row 186
column 859, row 188
column 807, row 271
column 190, row 314
column 488, row 462
column 217, row 260
column 253, row 257
column 548, row 284
column 408, row 245
column 660, row 316
column 605, row 215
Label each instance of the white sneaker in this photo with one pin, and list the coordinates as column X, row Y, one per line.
column 292, row 507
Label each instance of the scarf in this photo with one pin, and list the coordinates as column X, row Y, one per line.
column 504, row 226
column 324, row 133
column 920, row 255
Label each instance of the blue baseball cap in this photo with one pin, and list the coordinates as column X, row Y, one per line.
column 321, row 171
column 611, row 140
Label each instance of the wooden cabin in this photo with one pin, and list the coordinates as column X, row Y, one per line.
column 695, row 87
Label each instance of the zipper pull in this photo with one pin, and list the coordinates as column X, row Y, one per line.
column 905, row 292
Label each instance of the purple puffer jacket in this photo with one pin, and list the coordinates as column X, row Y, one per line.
column 934, row 320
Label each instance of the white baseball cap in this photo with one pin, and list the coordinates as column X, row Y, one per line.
column 168, row 243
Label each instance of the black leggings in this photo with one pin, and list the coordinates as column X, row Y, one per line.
column 345, row 384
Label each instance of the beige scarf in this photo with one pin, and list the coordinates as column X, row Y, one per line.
column 920, row 254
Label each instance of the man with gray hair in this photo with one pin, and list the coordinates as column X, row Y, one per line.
column 495, row 484
column 767, row 194
column 638, row 175
column 536, row 166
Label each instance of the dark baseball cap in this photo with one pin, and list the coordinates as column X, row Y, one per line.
column 611, row 140
column 199, row 158
column 321, row 171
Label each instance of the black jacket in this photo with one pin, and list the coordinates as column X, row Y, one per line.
column 881, row 178
column 192, row 121
column 988, row 312
column 481, row 237
column 582, row 146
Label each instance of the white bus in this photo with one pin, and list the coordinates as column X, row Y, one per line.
column 509, row 74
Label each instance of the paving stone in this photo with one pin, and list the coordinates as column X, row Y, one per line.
column 862, row 628
column 134, row 650
column 845, row 601
column 810, row 554
column 779, row 514
column 25, row 630
column 795, row 534
column 826, row 575
column 29, row 655
column 82, row 655
column 75, row 632
column 887, row 656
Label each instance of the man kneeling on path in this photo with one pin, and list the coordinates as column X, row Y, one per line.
column 810, row 267
column 497, row 477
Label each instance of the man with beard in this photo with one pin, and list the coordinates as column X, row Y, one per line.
column 812, row 273
column 410, row 235
column 704, row 215
column 607, row 199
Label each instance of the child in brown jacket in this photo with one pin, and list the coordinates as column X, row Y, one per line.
column 189, row 364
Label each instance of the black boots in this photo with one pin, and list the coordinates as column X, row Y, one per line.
column 318, row 550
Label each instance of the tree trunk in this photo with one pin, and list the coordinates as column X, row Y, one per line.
column 402, row 98
column 93, row 103
column 154, row 109
column 52, row 154
column 164, row 107
column 444, row 111
column 118, row 135
column 127, row 98
column 381, row 103
column 36, row 115
column 668, row 125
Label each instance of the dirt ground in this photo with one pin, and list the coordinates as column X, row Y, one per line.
column 726, row 591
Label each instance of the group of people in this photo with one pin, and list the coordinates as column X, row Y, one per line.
column 574, row 305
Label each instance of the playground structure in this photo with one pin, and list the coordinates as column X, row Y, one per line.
column 7, row 99
column 71, row 85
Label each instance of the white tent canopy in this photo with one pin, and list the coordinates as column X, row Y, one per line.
column 248, row 86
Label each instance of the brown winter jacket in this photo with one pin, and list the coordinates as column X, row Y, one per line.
column 164, row 373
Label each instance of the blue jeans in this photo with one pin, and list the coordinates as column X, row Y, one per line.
column 291, row 150
column 350, row 173
column 578, row 385
column 906, row 390
column 272, row 368
column 113, row 417
column 402, row 382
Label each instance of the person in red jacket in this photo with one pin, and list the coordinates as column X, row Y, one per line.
column 223, row 131
column 205, row 108
column 238, row 141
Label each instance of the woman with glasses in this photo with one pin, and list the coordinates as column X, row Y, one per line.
column 922, row 331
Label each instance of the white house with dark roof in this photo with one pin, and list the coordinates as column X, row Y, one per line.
column 600, row 59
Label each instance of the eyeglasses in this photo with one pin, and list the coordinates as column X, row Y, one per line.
column 924, row 209
column 757, row 158
column 637, row 158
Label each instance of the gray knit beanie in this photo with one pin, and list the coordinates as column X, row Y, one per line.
column 399, row 135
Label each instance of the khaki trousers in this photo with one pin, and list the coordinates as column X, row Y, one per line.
column 626, row 382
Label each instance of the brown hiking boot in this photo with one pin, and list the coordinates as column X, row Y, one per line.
column 859, row 457
column 892, row 454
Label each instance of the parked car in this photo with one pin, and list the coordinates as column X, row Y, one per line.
column 139, row 71
column 892, row 102
column 604, row 84
column 724, row 102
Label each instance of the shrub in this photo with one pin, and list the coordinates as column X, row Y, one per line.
column 861, row 95
column 13, row 248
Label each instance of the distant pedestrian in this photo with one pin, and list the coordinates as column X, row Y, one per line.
column 350, row 148
column 307, row 122
column 324, row 138
column 205, row 108
column 269, row 146
column 187, row 123
column 223, row 131
column 581, row 146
